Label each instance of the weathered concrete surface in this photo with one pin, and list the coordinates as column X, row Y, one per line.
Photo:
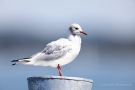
column 59, row 83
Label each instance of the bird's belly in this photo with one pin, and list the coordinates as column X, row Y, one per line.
column 70, row 56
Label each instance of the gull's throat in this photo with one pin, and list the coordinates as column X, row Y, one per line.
column 74, row 38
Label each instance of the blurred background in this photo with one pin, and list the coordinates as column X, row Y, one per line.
column 108, row 51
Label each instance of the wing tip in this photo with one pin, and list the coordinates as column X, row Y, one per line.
column 13, row 64
column 14, row 60
column 20, row 59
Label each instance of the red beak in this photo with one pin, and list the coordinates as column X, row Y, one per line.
column 83, row 32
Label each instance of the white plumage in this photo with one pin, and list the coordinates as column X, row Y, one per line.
column 59, row 52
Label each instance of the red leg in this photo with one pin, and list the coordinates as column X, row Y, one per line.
column 59, row 69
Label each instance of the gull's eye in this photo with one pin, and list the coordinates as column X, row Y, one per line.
column 76, row 28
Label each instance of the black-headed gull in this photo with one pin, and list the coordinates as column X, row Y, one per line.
column 57, row 53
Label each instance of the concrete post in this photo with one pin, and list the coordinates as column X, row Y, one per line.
column 58, row 83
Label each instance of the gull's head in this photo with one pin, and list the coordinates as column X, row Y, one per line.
column 76, row 29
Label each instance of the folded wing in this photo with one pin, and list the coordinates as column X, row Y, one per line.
column 54, row 50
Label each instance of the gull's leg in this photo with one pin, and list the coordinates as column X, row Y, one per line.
column 59, row 69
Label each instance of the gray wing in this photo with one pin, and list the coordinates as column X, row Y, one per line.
column 54, row 50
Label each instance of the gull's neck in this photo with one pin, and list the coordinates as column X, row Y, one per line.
column 74, row 38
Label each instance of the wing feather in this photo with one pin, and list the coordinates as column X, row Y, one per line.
column 54, row 50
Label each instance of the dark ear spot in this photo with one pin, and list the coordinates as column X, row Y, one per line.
column 70, row 28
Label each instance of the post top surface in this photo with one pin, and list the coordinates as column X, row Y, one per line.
column 62, row 77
